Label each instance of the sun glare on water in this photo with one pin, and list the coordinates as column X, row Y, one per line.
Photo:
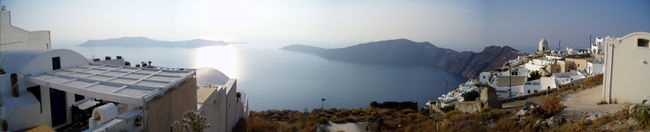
column 222, row 58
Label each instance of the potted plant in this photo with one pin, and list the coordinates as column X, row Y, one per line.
column 5, row 125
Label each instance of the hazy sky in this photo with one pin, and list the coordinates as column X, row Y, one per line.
column 465, row 25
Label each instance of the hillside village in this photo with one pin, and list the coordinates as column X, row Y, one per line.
column 551, row 69
column 550, row 90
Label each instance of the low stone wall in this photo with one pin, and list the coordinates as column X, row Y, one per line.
column 468, row 106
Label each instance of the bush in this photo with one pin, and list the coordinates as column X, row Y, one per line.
column 448, row 108
column 256, row 124
column 534, row 76
column 407, row 111
column 551, row 105
column 471, row 95
column 322, row 120
column 642, row 117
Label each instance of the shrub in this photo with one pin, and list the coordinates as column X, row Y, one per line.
column 471, row 95
column 551, row 105
column 504, row 125
column 322, row 120
column 257, row 124
column 407, row 111
column 534, row 76
column 448, row 108
column 642, row 117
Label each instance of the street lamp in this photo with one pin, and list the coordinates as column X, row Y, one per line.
column 322, row 106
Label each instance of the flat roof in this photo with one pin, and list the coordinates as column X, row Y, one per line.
column 203, row 93
column 121, row 84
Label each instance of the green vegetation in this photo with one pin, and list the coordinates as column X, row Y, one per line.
column 471, row 95
column 448, row 108
column 534, row 75
column 642, row 116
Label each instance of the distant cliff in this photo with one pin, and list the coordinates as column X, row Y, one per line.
column 146, row 42
column 403, row 51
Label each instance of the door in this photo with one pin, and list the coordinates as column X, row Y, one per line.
column 58, row 103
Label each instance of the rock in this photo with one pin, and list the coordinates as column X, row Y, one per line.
column 619, row 122
column 555, row 121
column 540, row 123
column 522, row 122
column 592, row 116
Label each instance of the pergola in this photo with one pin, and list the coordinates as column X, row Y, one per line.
column 129, row 85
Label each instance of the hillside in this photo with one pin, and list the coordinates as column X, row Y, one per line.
column 146, row 42
column 407, row 52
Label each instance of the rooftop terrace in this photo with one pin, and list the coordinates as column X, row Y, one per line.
column 128, row 85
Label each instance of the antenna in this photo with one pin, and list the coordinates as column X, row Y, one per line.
column 559, row 44
column 590, row 42
column 446, row 82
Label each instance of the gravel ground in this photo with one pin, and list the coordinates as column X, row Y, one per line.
column 586, row 101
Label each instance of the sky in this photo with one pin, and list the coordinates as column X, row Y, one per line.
column 459, row 25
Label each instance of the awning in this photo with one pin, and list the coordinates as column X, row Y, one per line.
column 127, row 85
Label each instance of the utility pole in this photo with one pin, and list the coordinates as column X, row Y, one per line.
column 590, row 42
column 509, row 80
column 559, row 44
column 446, row 82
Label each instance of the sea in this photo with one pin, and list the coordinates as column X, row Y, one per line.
column 279, row 79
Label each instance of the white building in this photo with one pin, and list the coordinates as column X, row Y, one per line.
column 595, row 67
column 626, row 68
column 531, row 87
column 543, row 45
column 60, row 87
column 503, row 84
column 536, row 64
column 598, row 47
column 567, row 77
column 548, row 83
column 14, row 38
column 487, row 77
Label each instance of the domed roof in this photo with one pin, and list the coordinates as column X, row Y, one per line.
column 543, row 41
column 210, row 76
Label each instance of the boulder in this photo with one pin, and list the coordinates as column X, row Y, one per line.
column 555, row 121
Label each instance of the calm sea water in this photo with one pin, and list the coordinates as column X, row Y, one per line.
column 278, row 79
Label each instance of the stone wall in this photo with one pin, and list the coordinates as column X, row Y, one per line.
column 468, row 106
column 170, row 106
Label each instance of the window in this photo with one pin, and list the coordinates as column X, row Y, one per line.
column 642, row 43
column 535, row 91
column 56, row 63
column 528, row 91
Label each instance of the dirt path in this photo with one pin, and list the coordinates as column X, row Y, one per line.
column 586, row 101
column 346, row 127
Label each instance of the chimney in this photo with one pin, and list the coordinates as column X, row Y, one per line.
column 118, row 57
column 96, row 60
column 14, row 85
column 107, row 58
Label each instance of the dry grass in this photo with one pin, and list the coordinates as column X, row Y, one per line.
column 551, row 105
